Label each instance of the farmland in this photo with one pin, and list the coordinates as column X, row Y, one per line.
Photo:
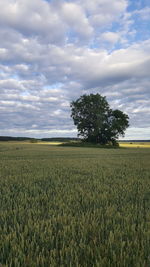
column 135, row 144
column 72, row 206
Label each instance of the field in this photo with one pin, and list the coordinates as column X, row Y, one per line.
column 135, row 144
column 68, row 206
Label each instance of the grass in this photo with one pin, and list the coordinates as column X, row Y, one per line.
column 86, row 145
column 74, row 206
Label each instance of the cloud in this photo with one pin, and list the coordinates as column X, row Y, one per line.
column 51, row 52
column 102, row 12
column 76, row 19
column 111, row 37
column 144, row 13
column 32, row 18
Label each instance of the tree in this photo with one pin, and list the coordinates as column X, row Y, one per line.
column 96, row 121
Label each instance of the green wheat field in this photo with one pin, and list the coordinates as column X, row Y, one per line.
column 72, row 206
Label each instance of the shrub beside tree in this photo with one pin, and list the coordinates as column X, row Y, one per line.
column 96, row 121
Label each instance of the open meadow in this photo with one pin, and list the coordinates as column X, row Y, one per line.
column 72, row 206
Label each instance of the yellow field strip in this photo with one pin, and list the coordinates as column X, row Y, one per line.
column 30, row 143
column 135, row 145
column 121, row 144
column 49, row 143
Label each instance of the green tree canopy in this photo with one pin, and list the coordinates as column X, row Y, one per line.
column 96, row 121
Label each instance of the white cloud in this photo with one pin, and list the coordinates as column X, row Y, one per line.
column 103, row 12
column 75, row 18
column 53, row 52
column 137, row 133
column 111, row 37
column 34, row 17
column 144, row 13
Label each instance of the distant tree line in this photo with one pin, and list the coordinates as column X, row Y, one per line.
column 11, row 138
column 52, row 139
column 60, row 139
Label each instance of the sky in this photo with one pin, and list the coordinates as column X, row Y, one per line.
column 54, row 51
